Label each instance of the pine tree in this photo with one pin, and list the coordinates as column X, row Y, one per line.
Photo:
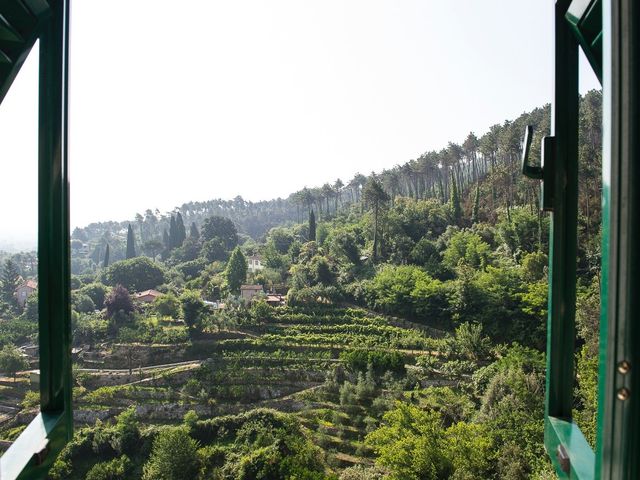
column 181, row 233
column 455, row 201
column 312, row 226
column 131, row 247
column 476, row 204
column 105, row 262
column 10, row 280
column 236, row 271
column 374, row 195
column 193, row 231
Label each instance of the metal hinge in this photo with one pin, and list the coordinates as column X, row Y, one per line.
column 544, row 172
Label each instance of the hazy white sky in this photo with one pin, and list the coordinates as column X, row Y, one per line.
column 199, row 99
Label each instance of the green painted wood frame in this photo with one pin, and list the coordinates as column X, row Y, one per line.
column 619, row 399
column 565, row 444
column 32, row 454
column 615, row 56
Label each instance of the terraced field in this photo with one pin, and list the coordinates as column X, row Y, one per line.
column 289, row 360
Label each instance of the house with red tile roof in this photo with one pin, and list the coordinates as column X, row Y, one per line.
column 24, row 291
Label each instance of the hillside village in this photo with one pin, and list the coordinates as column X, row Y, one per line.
column 345, row 329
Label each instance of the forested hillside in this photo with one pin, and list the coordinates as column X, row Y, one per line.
column 397, row 328
column 485, row 171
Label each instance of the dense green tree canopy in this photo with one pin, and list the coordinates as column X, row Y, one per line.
column 222, row 228
column 137, row 274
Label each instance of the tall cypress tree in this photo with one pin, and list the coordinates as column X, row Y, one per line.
column 476, row 204
column 455, row 201
column 181, row 233
column 193, row 231
column 173, row 233
column 312, row 226
column 105, row 262
column 236, row 271
column 131, row 248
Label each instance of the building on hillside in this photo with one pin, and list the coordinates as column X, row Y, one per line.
column 254, row 262
column 147, row 296
column 247, row 292
column 24, row 291
column 275, row 300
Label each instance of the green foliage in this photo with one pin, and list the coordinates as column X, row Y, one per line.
column 345, row 244
column 411, row 443
column 261, row 310
column 316, row 295
column 470, row 449
column 322, row 232
column 82, row 303
column 12, row 361
column 379, row 361
column 174, row 456
column 116, row 469
column 95, row 291
column 521, row 230
column 430, row 302
column 466, row 248
column 31, row 400
column 452, row 406
column 455, row 200
column 89, row 328
column 362, row 473
column 9, row 281
column 30, row 311
column 193, row 308
column 214, row 250
column 126, row 432
column 17, row 331
column 137, row 274
column 191, row 269
column 322, row 270
column 476, row 204
column 375, row 196
column 107, row 254
column 281, row 239
column 588, row 327
column 470, row 341
column 180, row 234
column 391, row 289
column 221, row 228
column 236, row 272
column 312, row 226
column 131, row 248
column 167, row 305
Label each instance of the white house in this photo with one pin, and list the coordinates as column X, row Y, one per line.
column 254, row 263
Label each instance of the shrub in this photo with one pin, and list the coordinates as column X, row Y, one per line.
column 118, row 300
column 174, row 456
column 97, row 292
column 192, row 307
column 167, row 305
column 116, row 469
column 82, row 303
